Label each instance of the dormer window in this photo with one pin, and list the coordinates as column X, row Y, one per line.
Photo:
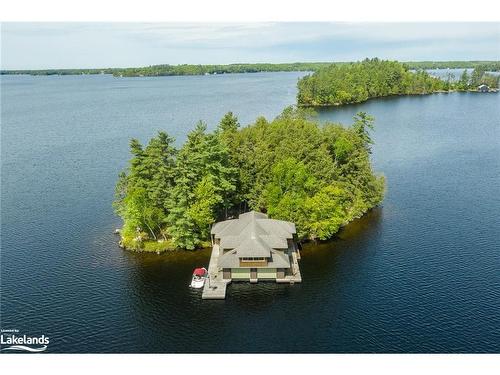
column 252, row 259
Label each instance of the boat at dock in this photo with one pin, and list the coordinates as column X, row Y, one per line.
column 199, row 277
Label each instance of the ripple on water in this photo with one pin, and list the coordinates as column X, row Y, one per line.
column 419, row 274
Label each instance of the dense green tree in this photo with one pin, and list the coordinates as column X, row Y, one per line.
column 204, row 180
column 326, row 211
column 319, row 177
column 140, row 195
column 229, row 124
column 285, row 194
column 463, row 83
column 280, row 157
column 205, row 201
column 141, row 214
column 159, row 162
column 357, row 82
column 226, row 133
column 476, row 77
column 121, row 194
column 188, row 173
column 363, row 123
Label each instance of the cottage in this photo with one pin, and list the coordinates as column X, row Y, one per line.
column 254, row 247
column 483, row 88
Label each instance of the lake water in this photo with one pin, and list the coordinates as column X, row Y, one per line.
column 419, row 274
column 453, row 74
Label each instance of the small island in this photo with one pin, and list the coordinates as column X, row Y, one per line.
column 292, row 169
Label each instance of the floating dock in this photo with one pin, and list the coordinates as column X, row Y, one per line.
column 215, row 285
column 295, row 276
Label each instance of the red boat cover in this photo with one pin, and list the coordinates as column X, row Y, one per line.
column 199, row 271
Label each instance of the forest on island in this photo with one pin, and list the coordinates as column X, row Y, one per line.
column 372, row 78
column 318, row 176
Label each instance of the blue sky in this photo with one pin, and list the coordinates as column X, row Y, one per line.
column 99, row 45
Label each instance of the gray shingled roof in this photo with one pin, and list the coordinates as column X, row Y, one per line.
column 235, row 226
column 253, row 234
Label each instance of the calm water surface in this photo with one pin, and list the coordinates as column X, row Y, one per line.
column 419, row 274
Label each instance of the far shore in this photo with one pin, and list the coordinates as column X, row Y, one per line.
column 166, row 70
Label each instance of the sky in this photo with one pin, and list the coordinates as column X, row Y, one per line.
column 102, row 45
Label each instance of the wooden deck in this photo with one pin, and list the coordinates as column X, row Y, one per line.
column 215, row 285
column 214, row 289
column 295, row 276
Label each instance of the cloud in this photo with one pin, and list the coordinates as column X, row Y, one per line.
column 271, row 34
column 41, row 45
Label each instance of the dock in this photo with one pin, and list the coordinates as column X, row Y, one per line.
column 294, row 276
column 215, row 285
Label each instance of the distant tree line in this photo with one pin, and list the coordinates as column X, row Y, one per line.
column 372, row 78
column 490, row 66
column 189, row 69
column 319, row 177
column 59, row 72
column 186, row 69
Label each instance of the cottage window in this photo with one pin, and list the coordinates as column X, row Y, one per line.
column 252, row 259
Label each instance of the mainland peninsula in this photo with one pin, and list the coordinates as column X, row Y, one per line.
column 374, row 78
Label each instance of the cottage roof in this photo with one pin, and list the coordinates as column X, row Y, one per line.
column 253, row 234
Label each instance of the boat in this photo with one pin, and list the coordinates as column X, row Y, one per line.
column 199, row 277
